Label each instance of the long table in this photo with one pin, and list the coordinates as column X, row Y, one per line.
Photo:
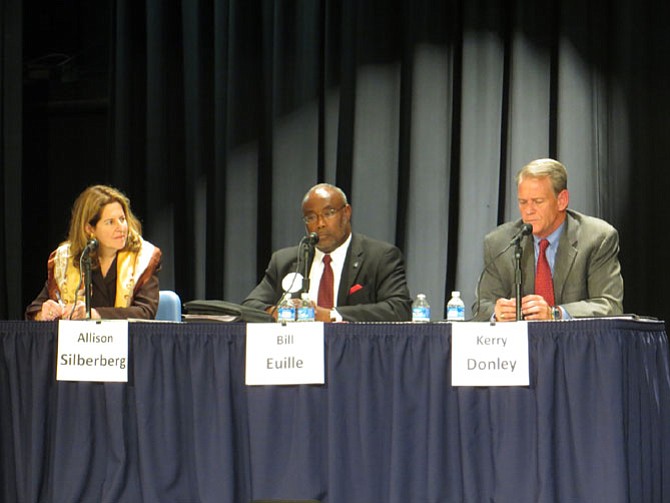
column 387, row 427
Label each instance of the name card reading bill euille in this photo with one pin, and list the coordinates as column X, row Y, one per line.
column 285, row 354
column 483, row 354
column 92, row 350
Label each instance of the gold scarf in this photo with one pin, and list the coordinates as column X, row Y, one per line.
column 129, row 267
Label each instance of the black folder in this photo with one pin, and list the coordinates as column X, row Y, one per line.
column 230, row 310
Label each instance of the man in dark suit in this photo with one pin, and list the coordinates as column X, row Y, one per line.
column 367, row 277
column 581, row 255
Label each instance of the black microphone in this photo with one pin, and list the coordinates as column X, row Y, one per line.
column 92, row 245
column 85, row 272
column 308, row 249
column 525, row 230
column 311, row 240
column 305, row 249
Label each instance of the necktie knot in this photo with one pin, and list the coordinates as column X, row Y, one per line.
column 327, row 259
column 544, row 244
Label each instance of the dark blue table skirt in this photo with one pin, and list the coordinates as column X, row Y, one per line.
column 593, row 426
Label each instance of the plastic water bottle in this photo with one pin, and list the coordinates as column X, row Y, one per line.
column 455, row 307
column 286, row 310
column 306, row 310
column 420, row 309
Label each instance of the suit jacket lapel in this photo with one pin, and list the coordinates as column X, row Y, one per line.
column 350, row 269
column 565, row 258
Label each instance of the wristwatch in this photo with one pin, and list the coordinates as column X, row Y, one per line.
column 556, row 313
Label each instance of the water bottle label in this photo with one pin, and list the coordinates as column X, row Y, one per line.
column 420, row 314
column 286, row 314
column 456, row 313
column 306, row 314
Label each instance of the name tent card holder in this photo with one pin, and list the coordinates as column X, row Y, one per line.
column 484, row 354
column 92, row 350
column 291, row 353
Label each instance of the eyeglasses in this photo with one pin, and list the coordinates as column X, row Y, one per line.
column 326, row 215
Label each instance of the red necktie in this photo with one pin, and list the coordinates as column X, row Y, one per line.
column 326, row 284
column 544, row 285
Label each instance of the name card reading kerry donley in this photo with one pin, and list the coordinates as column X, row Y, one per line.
column 483, row 354
column 92, row 350
column 291, row 353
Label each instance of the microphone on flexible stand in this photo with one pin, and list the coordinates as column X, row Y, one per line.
column 86, row 259
column 307, row 244
column 525, row 230
column 92, row 245
column 516, row 241
column 305, row 248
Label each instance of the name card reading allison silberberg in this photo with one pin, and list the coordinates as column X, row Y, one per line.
column 285, row 354
column 91, row 350
column 489, row 355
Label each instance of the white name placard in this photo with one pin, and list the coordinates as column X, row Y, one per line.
column 489, row 355
column 92, row 350
column 285, row 354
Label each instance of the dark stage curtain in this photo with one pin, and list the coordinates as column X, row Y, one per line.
column 386, row 427
column 215, row 117
column 11, row 147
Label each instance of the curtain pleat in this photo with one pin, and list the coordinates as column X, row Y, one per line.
column 421, row 114
column 216, row 116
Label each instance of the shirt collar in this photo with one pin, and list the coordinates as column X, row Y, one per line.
column 553, row 238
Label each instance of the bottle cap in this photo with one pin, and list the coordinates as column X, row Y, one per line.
column 455, row 293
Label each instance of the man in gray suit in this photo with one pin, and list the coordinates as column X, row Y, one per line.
column 582, row 253
column 368, row 276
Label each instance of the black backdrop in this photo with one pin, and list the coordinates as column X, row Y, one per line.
column 215, row 116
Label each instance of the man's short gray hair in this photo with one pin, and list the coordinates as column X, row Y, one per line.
column 539, row 168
